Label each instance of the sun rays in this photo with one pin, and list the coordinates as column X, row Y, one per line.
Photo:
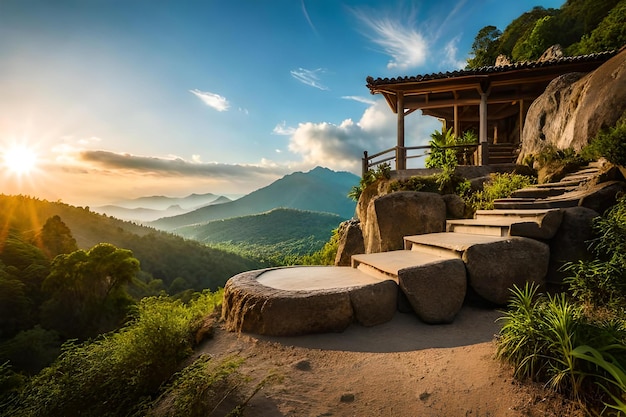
column 19, row 160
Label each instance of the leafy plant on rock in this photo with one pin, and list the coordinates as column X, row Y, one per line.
column 609, row 143
column 498, row 186
column 382, row 171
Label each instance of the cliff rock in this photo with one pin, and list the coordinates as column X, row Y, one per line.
column 574, row 108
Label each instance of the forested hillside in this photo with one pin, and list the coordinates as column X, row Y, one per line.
column 280, row 234
column 579, row 26
column 165, row 259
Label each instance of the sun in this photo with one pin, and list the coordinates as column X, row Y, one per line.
column 19, row 160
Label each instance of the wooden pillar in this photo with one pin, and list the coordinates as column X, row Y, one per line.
column 456, row 121
column 365, row 164
column 482, row 136
column 400, row 151
column 522, row 118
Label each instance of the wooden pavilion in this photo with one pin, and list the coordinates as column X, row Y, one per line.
column 492, row 101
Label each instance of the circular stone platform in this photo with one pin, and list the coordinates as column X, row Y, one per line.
column 306, row 299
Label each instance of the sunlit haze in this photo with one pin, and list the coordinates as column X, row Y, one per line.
column 103, row 100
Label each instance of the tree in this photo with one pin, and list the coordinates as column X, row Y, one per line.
column 86, row 289
column 610, row 33
column 519, row 29
column 56, row 238
column 541, row 37
column 485, row 47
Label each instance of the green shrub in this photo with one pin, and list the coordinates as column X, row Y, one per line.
column 31, row 350
column 549, row 339
column 200, row 388
column 552, row 163
column 110, row 376
column 441, row 156
column 601, row 282
column 498, row 186
column 610, row 144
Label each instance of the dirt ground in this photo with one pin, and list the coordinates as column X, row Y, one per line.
column 403, row 368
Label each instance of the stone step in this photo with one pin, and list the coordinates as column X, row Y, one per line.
column 520, row 214
column 487, row 227
column 536, row 192
column 586, row 171
column 531, row 203
column 579, row 177
column 568, row 183
column 536, row 224
column 386, row 265
column 447, row 244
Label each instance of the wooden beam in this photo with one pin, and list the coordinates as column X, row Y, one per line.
column 417, row 102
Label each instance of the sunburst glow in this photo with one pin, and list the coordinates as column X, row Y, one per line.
column 19, row 160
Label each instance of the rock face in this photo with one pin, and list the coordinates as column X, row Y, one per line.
column 350, row 242
column 553, row 52
column 392, row 216
column 574, row 108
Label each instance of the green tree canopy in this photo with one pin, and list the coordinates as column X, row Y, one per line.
column 609, row 34
column 87, row 290
column 485, row 47
column 56, row 238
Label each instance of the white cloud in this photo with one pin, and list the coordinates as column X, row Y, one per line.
column 360, row 99
column 451, row 50
column 407, row 46
column 216, row 101
column 309, row 77
column 341, row 146
column 308, row 18
column 283, row 130
column 412, row 43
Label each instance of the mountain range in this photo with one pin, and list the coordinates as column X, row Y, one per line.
column 147, row 209
column 319, row 190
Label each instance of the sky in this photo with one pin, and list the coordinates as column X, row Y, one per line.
column 102, row 100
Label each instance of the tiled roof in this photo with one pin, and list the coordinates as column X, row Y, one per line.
column 602, row 56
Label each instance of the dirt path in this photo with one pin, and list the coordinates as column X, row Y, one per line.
column 402, row 368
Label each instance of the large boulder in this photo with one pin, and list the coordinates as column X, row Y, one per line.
column 392, row 216
column 435, row 290
column 494, row 268
column 571, row 240
column 574, row 108
column 350, row 242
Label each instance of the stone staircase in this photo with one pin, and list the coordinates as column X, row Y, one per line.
column 490, row 253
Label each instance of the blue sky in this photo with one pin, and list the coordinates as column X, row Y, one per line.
column 121, row 99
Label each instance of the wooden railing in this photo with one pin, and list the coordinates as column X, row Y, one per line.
column 403, row 154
